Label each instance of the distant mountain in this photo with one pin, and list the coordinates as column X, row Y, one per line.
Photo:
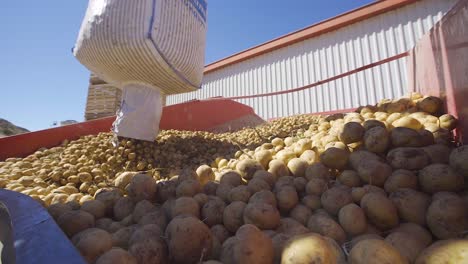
column 9, row 129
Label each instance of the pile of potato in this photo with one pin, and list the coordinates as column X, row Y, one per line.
column 385, row 184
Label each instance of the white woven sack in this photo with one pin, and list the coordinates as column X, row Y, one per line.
column 147, row 48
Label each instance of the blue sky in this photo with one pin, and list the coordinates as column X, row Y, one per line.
column 41, row 82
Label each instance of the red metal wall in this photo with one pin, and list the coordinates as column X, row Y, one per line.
column 438, row 65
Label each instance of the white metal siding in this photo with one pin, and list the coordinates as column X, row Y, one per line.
column 326, row 56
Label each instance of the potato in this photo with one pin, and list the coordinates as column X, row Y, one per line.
column 142, row 187
column 448, row 122
column 145, row 233
column 408, row 158
column 142, row 208
column 205, row 174
column 166, row 190
column 188, row 188
column 430, row 104
column 335, row 158
column 257, row 184
column 375, row 251
column 122, row 236
column 249, row 245
column 349, row 178
column 262, row 215
column 150, row 251
column 380, row 210
column 326, row 226
column 407, row 122
column 232, row 178
column 445, row 251
column 360, row 238
column 301, row 213
column 310, row 156
column 319, row 250
column 401, row 179
column 116, row 256
column 263, row 157
column 416, row 231
column 312, row 202
column 92, row 243
column 123, row 179
column 411, row 205
column 73, row 222
column 58, row 209
column 220, row 232
column 438, row 153
column 123, row 207
column 440, row 177
column 302, row 145
column 185, row 206
column 285, row 155
column 287, row 198
column 157, row 217
column 447, row 216
column 297, row 167
column 376, row 139
column 316, row 186
column 335, row 198
column 458, row 158
column 264, row 197
column 233, row 216
column 374, row 172
column 239, row 193
column 247, row 168
column 279, row 241
column 189, row 240
column 278, row 168
column 56, row 198
column 371, row 123
column 352, row 132
column 352, row 219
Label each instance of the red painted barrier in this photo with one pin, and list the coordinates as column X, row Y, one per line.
column 193, row 115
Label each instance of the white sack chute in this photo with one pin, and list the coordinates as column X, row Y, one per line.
column 154, row 45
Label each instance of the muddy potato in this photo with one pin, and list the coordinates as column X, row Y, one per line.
column 185, row 206
column 239, row 193
column 142, row 208
column 401, row 179
column 430, row 104
column 220, row 232
column 408, row 158
column 376, row 139
column 201, row 199
column 380, row 210
column 438, row 153
column 326, row 226
column 316, row 186
column 150, row 251
column 374, row 172
column 264, row 197
column 312, row 202
column 123, row 207
column 335, row 198
column 405, row 137
column 188, row 188
column 262, row 215
column 319, row 250
column 352, row 132
column 92, row 243
column 266, row 176
column 223, row 191
column 458, row 158
column 233, row 216
column 188, row 240
column 291, row 227
column 210, row 188
column 335, row 158
column 411, row 205
column 349, row 178
column 408, row 246
column 56, row 210
column 249, row 245
column 440, row 177
column 256, row 185
column 375, row 251
column 157, row 217
column 357, row 157
column 415, row 231
column 352, row 219
column 212, row 211
column 142, row 187
column 447, row 216
column 73, row 222
column 116, row 256
column 287, row 198
column 94, row 207
column 248, row 167
column 301, row 213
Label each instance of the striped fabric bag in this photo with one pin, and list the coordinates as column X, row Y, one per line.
column 145, row 47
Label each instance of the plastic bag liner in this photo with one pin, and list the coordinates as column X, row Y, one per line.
column 140, row 112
